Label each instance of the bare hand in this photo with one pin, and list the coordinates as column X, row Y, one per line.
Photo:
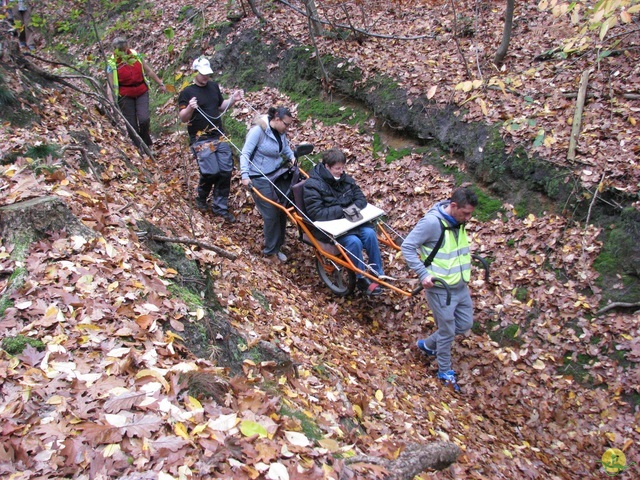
column 246, row 182
column 428, row 282
column 237, row 95
column 193, row 103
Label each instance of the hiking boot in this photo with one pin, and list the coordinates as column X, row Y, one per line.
column 449, row 379
column 422, row 346
column 368, row 287
column 227, row 215
column 201, row 204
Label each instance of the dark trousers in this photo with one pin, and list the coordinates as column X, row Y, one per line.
column 275, row 220
column 221, row 185
column 136, row 111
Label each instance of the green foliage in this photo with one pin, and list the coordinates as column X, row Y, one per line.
column 16, row 345
column 43, row 150
column 309, row 426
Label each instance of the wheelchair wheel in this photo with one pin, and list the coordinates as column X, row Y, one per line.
column 340, row 280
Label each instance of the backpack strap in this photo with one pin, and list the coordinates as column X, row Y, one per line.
column 436, row 247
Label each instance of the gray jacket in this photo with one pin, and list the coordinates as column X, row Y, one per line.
column 268, row 156
column 426, row 232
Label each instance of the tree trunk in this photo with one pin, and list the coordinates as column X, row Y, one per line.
column 36, row 218
column 506, row 34
column 312, row 14
column 254, row 9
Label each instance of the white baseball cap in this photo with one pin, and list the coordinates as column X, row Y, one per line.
column 203, row 66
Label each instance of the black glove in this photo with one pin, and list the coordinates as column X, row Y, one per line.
column 352, row 213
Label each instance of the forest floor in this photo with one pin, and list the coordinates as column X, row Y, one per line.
column 548, row 385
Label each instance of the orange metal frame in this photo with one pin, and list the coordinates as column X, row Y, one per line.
column 344, row 259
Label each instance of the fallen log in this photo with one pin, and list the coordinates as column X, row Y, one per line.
column 413, row 460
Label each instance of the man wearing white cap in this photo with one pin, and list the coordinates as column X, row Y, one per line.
column 201, row 106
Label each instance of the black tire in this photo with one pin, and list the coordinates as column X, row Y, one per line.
column 339, row 279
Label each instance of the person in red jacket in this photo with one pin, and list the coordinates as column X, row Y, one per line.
column 127, row 81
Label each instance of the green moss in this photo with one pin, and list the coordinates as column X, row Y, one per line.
column 7, row 97
column 192, row 299
column 15, row 345
column 377, row 146
column 505, row 336
column 494, row 163
column 578, row 368
column 262, row 300
column 488, row 207
column 329, row 113
column 393, row 154
column 618, row 261
column 309, row 426
column 236, row 131
column 522, row 294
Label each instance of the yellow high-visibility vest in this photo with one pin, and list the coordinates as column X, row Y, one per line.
column 452, row 261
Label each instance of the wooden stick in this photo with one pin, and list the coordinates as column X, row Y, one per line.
column 595, row 195
column 613, row 305
column 188, row 241
column 577, row 117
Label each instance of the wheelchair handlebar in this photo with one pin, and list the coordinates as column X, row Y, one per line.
column 438, row 281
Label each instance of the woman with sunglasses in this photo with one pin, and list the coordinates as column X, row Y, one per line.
column 265, row 145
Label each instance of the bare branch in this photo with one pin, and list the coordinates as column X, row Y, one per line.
column 188, row 241
column 352, row 28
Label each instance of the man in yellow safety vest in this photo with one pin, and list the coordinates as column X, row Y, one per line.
column 438, row 247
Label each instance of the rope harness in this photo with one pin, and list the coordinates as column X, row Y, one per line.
column 209, row 119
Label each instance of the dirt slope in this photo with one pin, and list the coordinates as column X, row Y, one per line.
column 97, row 306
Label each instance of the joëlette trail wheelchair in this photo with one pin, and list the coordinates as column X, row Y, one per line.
column 334, row 263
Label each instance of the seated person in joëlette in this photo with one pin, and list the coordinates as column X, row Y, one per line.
column 326, row 194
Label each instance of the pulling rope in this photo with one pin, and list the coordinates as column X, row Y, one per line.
column 298, row 209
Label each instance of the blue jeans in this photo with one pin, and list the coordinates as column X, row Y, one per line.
column 363, row 237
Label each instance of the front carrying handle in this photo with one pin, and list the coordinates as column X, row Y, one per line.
column 435, row 280
column 485, row 265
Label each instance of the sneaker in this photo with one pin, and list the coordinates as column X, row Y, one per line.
column 281, row 256
column 422, row 346
column 448, row 379
column 368, row 287
column 201, row 204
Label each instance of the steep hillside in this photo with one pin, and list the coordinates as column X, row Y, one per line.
column 548, row 384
